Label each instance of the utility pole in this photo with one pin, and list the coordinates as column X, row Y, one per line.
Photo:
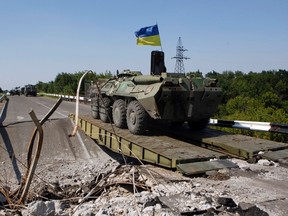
column 179, row 66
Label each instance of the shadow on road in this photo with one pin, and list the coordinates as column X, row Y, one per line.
column 8, row 144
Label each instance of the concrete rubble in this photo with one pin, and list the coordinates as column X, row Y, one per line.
column 88, row 189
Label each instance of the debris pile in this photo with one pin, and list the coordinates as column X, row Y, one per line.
column 137, row 190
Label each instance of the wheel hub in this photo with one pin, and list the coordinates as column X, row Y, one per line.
column 133, row 118
column 117, row 113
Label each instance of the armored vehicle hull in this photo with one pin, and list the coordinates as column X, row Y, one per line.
column 132, row 100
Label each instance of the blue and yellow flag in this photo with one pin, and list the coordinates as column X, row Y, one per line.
column 148, row 36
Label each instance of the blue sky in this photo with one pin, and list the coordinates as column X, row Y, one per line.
column 41, row 38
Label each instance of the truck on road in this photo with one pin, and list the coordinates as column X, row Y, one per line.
column 30, row 90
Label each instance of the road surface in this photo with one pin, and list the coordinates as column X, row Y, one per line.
column 58, row 147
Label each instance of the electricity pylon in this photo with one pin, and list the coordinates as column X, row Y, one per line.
column 179, row 66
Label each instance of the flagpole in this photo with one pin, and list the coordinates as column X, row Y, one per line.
column 159, row 36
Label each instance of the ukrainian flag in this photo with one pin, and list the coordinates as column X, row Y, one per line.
column 148, row 36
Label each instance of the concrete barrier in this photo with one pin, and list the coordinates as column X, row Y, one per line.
column 2, row 98
column 2, row 105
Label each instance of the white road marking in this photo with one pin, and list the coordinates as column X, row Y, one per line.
column 19, row 118
column 77, row 134
column 50, row 108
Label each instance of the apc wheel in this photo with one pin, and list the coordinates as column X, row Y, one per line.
column 137, row 118
column 198, row 125
column 95, row 108
column 95, row 111
column 119, row 114
column 105, row 110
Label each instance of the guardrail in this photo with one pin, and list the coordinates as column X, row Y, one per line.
column 2, row 106
column 67, row 97
column 2, row 97
column 251, row 125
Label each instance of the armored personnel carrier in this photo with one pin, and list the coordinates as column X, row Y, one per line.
column 132, row 100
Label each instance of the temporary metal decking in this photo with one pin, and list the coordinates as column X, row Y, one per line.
column 158, row 148
column 237, row 145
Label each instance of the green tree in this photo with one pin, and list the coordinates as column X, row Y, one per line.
column 195, row 74
column 271, row 100
column 65, row 79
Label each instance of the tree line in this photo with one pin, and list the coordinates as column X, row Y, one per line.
column 67, row 83
column 253, row 96
column 249, row 96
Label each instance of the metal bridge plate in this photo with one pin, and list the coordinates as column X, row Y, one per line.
column 276, row 155
column 153, row 148
column 202, row 167
column 238, row 145
column 180, row 148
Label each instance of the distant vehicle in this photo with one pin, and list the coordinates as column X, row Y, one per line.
column 30, row 90
column 15, row 91
column 22, row 90
column 132, row 99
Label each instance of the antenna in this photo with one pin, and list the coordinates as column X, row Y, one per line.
column 179, row 66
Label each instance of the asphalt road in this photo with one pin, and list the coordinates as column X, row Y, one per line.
column 19, row 107
column 17, row 127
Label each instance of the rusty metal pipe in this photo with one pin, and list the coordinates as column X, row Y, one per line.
column 43, row 120
column 35, row 159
